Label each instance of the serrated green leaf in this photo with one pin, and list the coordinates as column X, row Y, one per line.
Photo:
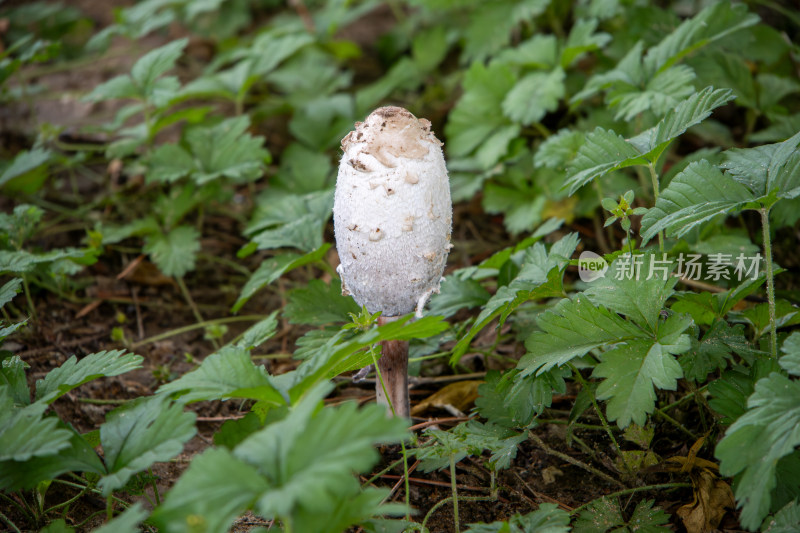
column 291, row 221
column 175, row 252
column 540, row 51
column 226, row 150
column 714, row 350
column 534, row 95
column 273, row 268
column 636, row 286
column 301, row 473
column 662, row 93
column 558, row 150
column 302, row 170
column 478, row 113
column 25, row 162
column 24, row 433
column 582, row 38
column 753, row 445
column 787, row 520
column 604, row 515
column 126, row 522
column 469, row 438
column 602, row 151
column 634, row 368
column 259, row 332
column 571, row 329
column 457, row 293
column 9, row 290
column 228, row 373
column 696, row 195
column 73, row 373
column 139, row 434
column 773, row 168
column 686, row 114
column 118, row 87
column 155, row 63
column 169, row 163
column 215, row 475
column 790, row 361
column 710, row 24
column 319, row 304
column 548, row 518
column 12, row 376
column 77, row 456
column 540, row 277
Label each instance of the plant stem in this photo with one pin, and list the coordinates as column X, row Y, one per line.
column 199, row 325
column 665, row 416
column 654, row 179
column 27, row 289
column 600, row 415
column 446, row 500
column 455, row 492
column 155, row 487
column 188, row 297
column 9, row 522
column 635, row 490
column 580, row 464
column 773, row 328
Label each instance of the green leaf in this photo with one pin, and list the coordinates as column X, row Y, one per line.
column 24, row 433
column 604, row 514
column 139, row 434
column 548, row 518
column 24, row 163
column 633, row 369
column 469, row 438
column 540, row 277
column 636, row 286
column 290, row 221
column 259, row 332
column 9, row 290
column 169, row 163
column 714, row 351
column 273, row 268
column 118, row 87
column 767, row 169
column 602, row 151
column 457, row 293
column 662, row 93
column 534, row 95
column 319, row 304
column 12, row 376
column 155, row 63
column 696, row 195
column 73, row 373
column 126, row 522
column 787, row 520
column 57, row 526
column 571, row 329
column 582, row 38
column 790, row 361
column 174, row 253
column 19, row 261
column 710, row 24
column 558, row 150
column 77, row 456
column 686, row 114
column 228, row 373
column 753, row 445
column 213, row 476
column 478, row 113
column 301, row 473
column 227, row 150
column 302, row 170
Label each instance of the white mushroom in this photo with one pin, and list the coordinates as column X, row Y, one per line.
column 392, row 216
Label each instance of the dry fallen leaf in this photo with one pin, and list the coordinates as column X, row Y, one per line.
column 549, row 474
column 712, row 497
column 459, row 396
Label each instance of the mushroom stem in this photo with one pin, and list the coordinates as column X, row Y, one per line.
column 393, row 367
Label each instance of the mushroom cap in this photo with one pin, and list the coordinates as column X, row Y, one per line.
column 392, row 213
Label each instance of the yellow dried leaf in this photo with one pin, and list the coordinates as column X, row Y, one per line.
column 459, row 395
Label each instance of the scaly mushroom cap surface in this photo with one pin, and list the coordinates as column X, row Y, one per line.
column 392, row 213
